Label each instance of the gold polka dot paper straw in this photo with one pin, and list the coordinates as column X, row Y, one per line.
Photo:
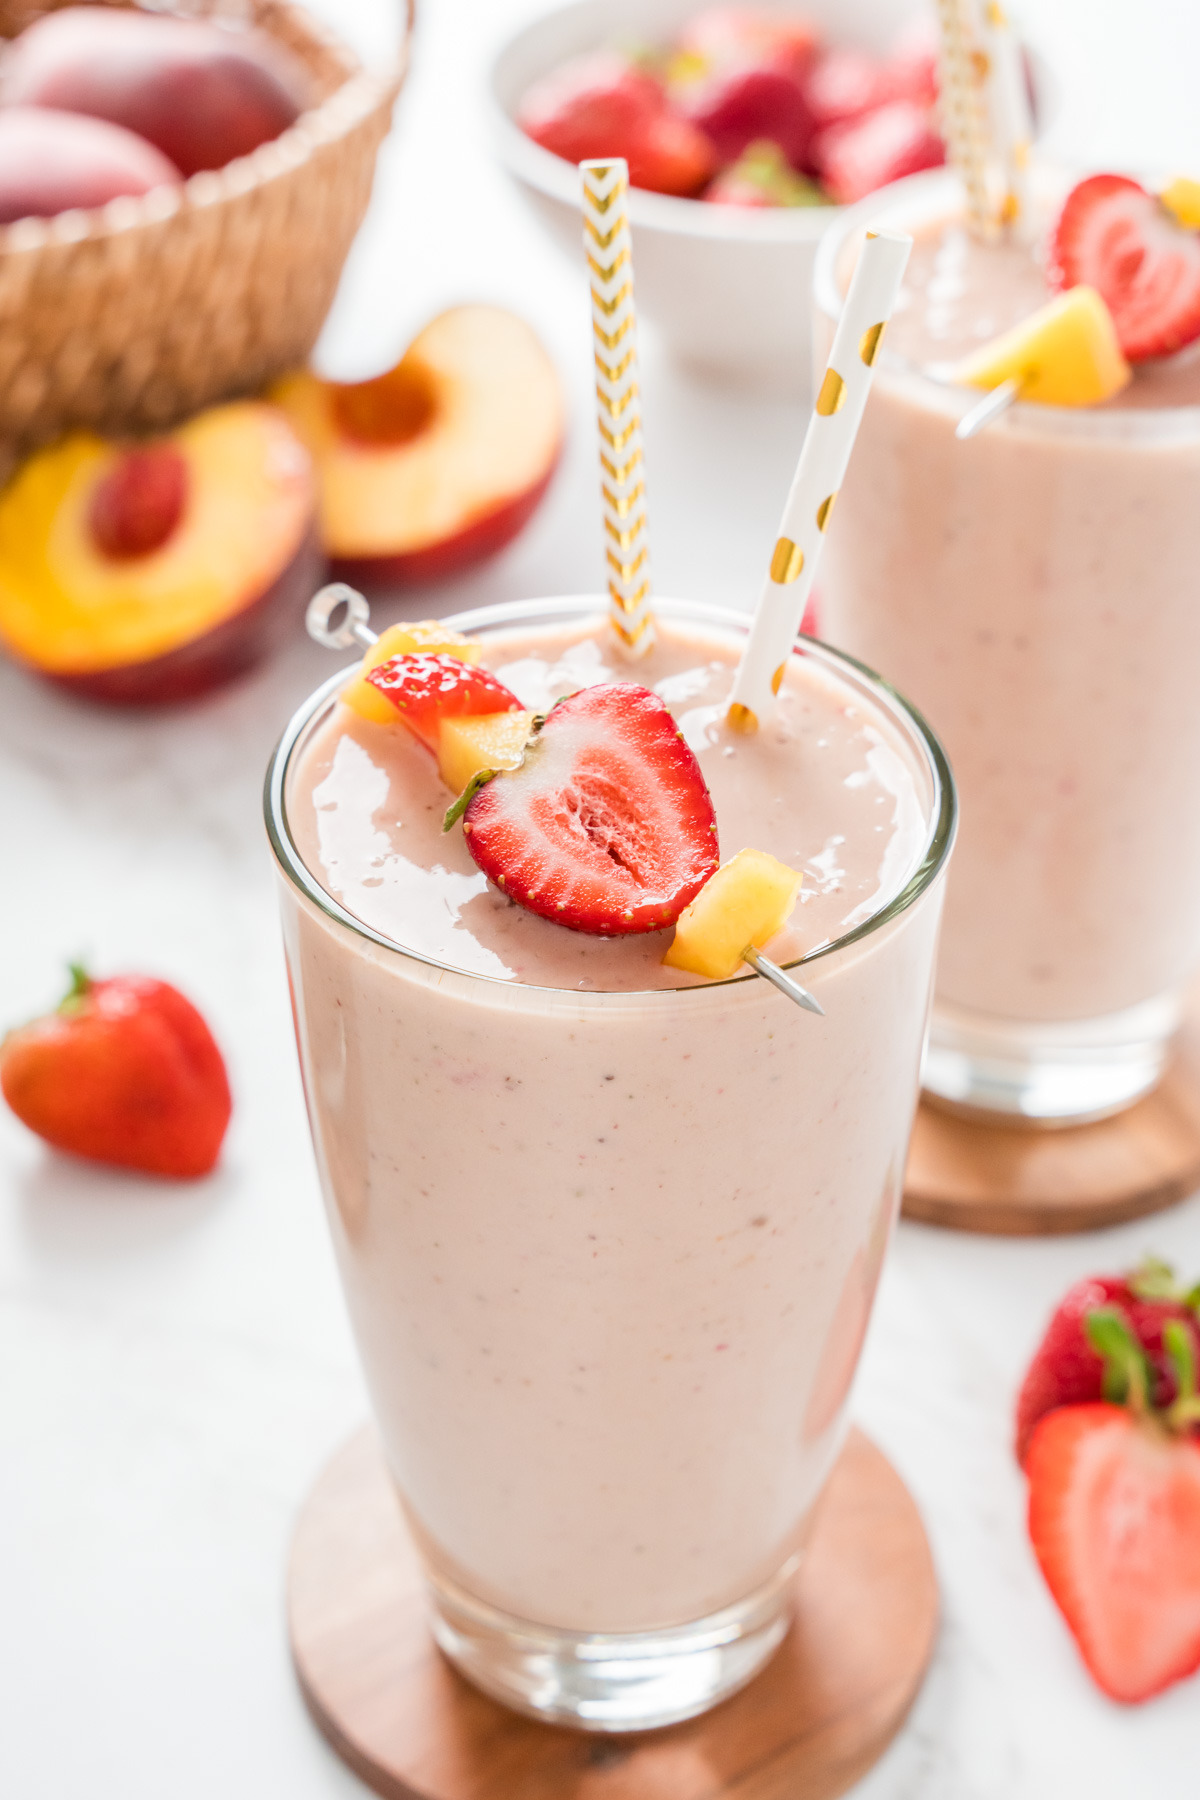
column 618, row 403
column 1008, row 104
column 823, row 460
column 964, row 69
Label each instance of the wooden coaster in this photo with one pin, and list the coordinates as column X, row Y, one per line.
column 1025, row 1181
column 816, row 1718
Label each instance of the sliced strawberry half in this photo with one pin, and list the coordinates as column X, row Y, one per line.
column 1114, row 1519
column 1114, row 236
column 608, row 826
column 426, row 689
column 1114, row 1500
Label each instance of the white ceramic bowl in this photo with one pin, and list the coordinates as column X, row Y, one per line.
column 728, row 286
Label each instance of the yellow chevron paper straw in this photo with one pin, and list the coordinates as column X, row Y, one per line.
column 964, row 70
column 1008, row 104
column 618, row 404
column 819, row 474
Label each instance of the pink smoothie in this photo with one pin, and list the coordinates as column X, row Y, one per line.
column 1034, row 591
column 610, row 1235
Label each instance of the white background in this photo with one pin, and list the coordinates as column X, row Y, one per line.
column 175, row 1363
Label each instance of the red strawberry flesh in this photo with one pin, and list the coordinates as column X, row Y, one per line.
column 1114, row 236
column 1114, row 1519
column 608, row 826
column 426, row 689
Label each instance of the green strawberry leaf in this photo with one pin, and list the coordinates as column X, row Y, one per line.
column 1127, row 1372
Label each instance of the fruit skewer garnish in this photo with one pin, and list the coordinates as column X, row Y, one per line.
column 594, row 815
column 1108, row 1430
column 1125, row 267
column 125, row 1071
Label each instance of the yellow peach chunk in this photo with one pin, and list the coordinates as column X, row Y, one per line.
column 1182, row 197
column 1065, row 354
column 746, row 902
column 427, row 637
column 481, row 741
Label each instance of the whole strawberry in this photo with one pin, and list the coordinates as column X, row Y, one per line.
column 1114, row 1511
column 1067, row 1369
column 125, row 1071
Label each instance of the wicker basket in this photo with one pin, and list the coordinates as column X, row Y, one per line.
column 129, row 317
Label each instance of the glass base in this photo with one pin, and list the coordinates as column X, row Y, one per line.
column 1047, row 1074
column 602, row 1682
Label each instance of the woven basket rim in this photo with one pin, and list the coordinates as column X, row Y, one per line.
column 352, row 101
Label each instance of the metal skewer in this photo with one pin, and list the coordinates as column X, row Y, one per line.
column 770, row 971
column 355, row 629
column 990, row 407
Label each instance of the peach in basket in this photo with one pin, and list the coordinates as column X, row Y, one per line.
column 149, row 305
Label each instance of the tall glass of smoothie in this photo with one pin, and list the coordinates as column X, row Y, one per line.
column 1034, row 590
column 609, row 1233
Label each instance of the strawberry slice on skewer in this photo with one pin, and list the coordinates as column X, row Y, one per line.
column 1114, row 236
column 425, row 689
column 126, row 1072
column 607, row 826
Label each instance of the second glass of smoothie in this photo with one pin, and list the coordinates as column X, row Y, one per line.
column 1034, row 590
column 610, row 1234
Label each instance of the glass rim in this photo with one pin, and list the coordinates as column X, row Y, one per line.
column 943, row 807
column 828, row 299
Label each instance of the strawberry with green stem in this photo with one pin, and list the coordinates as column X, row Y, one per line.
column 1114, row 1507
column 125, row 1071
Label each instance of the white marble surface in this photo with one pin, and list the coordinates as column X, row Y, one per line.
column 175, row 1364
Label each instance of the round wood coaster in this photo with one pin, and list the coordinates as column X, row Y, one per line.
column 1024, row 1182
column 815, row 1719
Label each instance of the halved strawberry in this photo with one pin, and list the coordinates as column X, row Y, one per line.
column 1114, row 236
column 1114, row 1519
column 425, row 689
column 1067, row 1369
column 1114, row 1508
column 607, row 826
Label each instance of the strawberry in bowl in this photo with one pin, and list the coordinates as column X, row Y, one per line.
column 684, row 111
column 726, row 208
column 1108, row 1430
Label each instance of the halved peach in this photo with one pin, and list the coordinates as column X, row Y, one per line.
column 150, row 573
column 440, row 461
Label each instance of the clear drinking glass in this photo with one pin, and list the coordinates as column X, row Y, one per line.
column 1034, row 590
column 609, row 1257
